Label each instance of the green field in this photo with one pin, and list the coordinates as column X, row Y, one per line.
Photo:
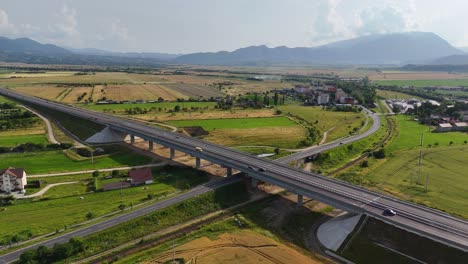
column 423, row 83
column 443, row 163
column 408, row 134
column 57, row 161
column 11, row 141
column 339, row 123
column 236, row 123
column 64, row 203
column 337, row 157
column 163, row 105
column 395, row 95
column 4, row 100
column 447, row 184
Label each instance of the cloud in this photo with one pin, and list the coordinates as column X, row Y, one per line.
column 384, row 19
column 337, row 20
column 66, row 23
column 6, row 27
column 119, row 30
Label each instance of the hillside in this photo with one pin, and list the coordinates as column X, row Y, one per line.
column 375, row 49
column 29, row 46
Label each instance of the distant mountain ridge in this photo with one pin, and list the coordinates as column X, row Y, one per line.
column 26, row 45
column 148, row 55
column 383, row 49
column 395, row 48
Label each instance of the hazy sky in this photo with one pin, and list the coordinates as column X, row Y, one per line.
column 183, row 26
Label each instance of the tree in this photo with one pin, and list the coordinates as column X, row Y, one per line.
column 275, row 99
column 379, row 154
column 266, row 99
column 90, row 215
column 115, row 173
column 122, row 206
column 277, row 150
column 95, row 173
column 177, row 108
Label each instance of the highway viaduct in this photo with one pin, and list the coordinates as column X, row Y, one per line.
column 415, row 218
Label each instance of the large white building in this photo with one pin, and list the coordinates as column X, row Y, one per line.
column 12, row 179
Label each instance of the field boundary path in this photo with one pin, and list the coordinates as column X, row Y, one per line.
column 45, row 189
column 50, row 131
column 100, row 170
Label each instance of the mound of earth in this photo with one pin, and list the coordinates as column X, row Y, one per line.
column 194, row 131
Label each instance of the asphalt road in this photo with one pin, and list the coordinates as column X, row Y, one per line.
column 412, row 217
column 12, row 256
column 336, row 143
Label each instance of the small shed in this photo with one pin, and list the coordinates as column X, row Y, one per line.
column 141, row 176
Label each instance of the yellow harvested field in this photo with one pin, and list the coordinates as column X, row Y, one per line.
column 192, row 79
column 216, row 114
column 35, row 75
column 98, row 92
column 98, row 78
column 164, row 92
column 138, row 91
column 397, row 75
column 245, row 247
column 50, row 92
column 72, row 96
column 285, row 137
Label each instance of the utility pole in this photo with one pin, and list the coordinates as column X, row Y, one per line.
column 420, row 158
column 427, row 180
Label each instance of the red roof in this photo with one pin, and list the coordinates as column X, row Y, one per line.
column 18, row 172
column 141, row 175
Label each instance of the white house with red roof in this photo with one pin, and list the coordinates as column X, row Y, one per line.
column 12, row 179
column 141, row 176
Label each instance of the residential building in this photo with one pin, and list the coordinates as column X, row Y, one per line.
column 141, row 176
column 339, row 94
column 323, row 99
column 464, row 116
column 444, row 127
column 460, row 126
column 12, row 179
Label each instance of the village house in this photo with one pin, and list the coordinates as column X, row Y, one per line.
column 444, row 127
column 12, row 179
column 464, row 116
column 141, row 176
column 460, row 126
column 323, row 99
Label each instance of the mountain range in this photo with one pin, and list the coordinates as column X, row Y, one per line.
column 380, row 49
column 399, row 48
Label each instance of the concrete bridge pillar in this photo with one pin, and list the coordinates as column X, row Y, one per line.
column 197, row 162
column 172, row 153
column 132, row 139
column 254, row 182
column 228, row 171
column 300, row 200
column 150, row 145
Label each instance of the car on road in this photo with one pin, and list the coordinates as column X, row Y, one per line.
column 389, row 212
column 198, row 149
